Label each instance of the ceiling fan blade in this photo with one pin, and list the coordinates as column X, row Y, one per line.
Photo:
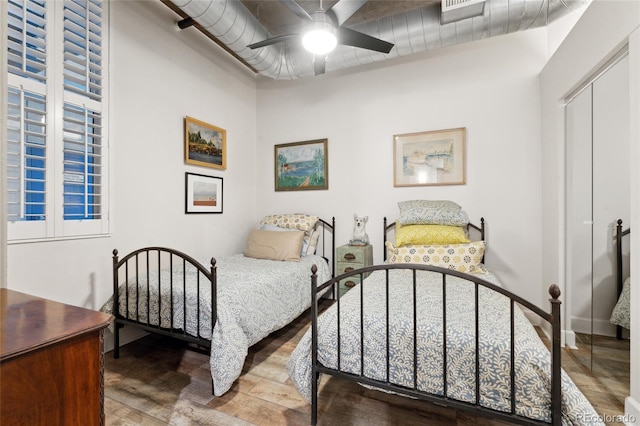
column 296, row 9
column 344, row 9
column 319, row 63
column 273, row 40
column 353, row 38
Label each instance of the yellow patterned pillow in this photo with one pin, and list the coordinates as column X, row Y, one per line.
column 459, row 257
column 429, row 234
column 303, row 222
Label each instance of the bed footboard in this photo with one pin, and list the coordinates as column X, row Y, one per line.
column 164, row 291
column 353, row 316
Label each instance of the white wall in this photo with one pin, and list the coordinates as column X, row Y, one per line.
column 158, row 75
column 603, row 28
column 490, row 87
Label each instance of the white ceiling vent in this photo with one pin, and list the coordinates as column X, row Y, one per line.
column 456, row 10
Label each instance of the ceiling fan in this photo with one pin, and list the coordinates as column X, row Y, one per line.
column 324, row 30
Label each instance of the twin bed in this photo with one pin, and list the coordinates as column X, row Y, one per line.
column 430, row 323
column 433, row 324
column 233, row 302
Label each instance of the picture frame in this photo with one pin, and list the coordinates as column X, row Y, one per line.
column 203, row 194
column 204, row 144
column 430, row 158
column 301, row 166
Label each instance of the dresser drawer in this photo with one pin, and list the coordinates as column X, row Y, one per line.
column 348, row 284
column 352, row 280
column 342, row 267
column 349, row 258
column 351, row 254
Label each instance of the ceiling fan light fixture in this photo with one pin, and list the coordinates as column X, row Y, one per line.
column 320, row 38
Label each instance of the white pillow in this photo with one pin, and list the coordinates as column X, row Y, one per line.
column 311, row 243
column 430, row 212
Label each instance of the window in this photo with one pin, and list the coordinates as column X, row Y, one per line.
column 57, row 152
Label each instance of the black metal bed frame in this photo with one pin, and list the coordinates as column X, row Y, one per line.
column 553, row 318
column 137, row 264
column 619, row 277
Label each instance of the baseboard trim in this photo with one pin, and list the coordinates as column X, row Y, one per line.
column 569, row 339
column 631, row 412
column 596, row 326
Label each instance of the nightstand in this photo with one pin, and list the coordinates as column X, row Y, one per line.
column 349, row 258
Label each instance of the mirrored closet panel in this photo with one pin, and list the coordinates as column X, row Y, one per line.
column 597, row 196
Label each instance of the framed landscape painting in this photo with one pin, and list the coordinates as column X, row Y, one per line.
column 301, row 166
column 203, row 194
column 429, row 158
column 204, row 144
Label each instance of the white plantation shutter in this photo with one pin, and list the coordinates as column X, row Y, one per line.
column 82, row 163
column 82, row 116
column 26, row 155
column 27, row 38
column 57, row 153
column 83, row 47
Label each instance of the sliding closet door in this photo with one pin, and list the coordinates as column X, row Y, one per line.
column 611, row 185
column 597, row 194
column 579, row 215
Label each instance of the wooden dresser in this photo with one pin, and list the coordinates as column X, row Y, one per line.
column 51, row 362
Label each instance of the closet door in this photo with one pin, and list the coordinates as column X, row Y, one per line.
column 597, row 194
column 611, row 185
column 579, row 214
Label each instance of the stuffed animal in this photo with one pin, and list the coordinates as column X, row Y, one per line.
column 360, row 237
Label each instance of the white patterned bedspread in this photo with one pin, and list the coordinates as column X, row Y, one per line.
column 621, row 314
column 532, row 358
column 255, row 298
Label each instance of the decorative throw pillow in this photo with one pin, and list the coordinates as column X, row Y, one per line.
column 276, row 228
column 430, row 234
column 302, row 222
column 621, row 314
column 428, row 212
column 431, row 204
column 312, row 243
column 459, row 257
column 274, row 245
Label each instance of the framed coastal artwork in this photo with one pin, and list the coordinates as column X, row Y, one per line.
column 203, row 194
column 430, row 158
column 301, row 166
column 204, row 144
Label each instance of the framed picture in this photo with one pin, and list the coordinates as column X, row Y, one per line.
column 203, row 194
column 204, row 144
column 429, row 158
column 301, row 166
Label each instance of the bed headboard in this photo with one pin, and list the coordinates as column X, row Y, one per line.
column 325, row 241
column 391, row 227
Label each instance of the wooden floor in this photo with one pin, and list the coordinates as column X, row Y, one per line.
column 157, row 381
column 608, row 360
